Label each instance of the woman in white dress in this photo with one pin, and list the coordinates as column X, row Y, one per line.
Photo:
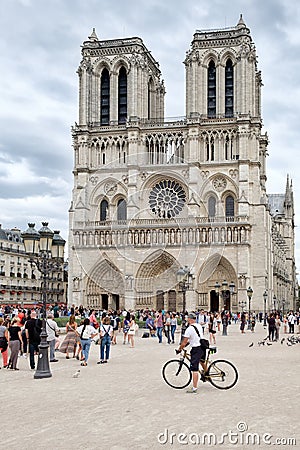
column 131, row 332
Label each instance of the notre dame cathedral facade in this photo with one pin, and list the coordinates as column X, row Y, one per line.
column 153, row 195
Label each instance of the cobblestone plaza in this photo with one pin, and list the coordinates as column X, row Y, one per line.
column 126, row 404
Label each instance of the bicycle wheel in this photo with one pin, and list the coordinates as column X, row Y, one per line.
column 177, row 374
column 222, row 374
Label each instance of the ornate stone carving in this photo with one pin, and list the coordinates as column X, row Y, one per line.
column 167, row 199
column 110, row 188
column 94, row 180
column 233, row 173
column 205, row 174
column 219, row 183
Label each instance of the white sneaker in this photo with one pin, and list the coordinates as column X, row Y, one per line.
column 192, row 391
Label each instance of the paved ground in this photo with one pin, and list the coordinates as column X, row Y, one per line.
column 126, row 404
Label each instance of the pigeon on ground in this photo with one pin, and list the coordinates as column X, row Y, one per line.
column 76, row 374
column 282, row 340
column 251, row 345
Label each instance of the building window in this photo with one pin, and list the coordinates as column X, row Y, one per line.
column 229, row 206
column 105, row 97
column 211, row 90
column 211, row 207
column 167, row 199
column 210, row 149
column 229, row 89
column 151, row 91
column 122, row 96
column 103, row 210
column 122, row 210
column 226, row 147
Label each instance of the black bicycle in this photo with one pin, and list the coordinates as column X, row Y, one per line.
column 221, row 374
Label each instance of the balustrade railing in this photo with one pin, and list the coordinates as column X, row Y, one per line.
column 162, row 233
column 154, row 222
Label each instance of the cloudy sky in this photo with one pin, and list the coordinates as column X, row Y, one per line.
column 40, row 53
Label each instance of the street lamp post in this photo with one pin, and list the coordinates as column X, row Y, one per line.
column 265, row 296
column 46, row 251
column 249, row 293
column 184, row 278
column 274, row 301
column 224, row 289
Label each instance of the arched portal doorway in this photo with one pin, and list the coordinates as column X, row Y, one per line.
column 104, row 302
column 104, row 286
column 156, row 282
column 218, row 271
column 172, row 301
column 159, row 300
column 214, row 301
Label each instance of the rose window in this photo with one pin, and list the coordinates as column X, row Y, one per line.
column 167, row 199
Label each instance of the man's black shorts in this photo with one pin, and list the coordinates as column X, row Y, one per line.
column 197, row 355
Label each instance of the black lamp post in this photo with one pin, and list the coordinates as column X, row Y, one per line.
column 274, row 302
column 249, row 294
column 265, row 296
column 184, row 278
column 224, row 289
column 46, row 251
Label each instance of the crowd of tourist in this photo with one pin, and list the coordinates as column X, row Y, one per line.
column 20, row 329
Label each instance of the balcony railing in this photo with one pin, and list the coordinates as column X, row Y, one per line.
column 158, row 232
column 157, row 222
column 166, row 122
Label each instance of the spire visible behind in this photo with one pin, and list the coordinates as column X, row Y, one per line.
column 93, row 36
column 241, row 23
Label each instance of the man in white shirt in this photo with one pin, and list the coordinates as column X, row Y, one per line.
column 291, row 321
column 51, row 330
column 202, row 319
column 198, row 353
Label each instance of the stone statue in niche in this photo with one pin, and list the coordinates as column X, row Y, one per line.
column 76, row 283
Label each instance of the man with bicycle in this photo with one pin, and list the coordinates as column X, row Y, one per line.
column 192, row 336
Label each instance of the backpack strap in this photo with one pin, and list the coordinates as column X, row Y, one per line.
column 106, row 331
column 84, row 327
column 197, row 331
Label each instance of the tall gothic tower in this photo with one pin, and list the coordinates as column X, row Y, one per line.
column 152, row 195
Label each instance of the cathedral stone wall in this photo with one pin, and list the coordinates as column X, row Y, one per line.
column 152, row 195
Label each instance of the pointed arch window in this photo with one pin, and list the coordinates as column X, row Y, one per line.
column 211, row 207
column 104, row 113
column 150, row 97
column 122, row 210
column 122, row 96
column 229, row 89
column 226, row 147
column 212, row 149
column 103, row 210
column 211, row 90
column 229, row 206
